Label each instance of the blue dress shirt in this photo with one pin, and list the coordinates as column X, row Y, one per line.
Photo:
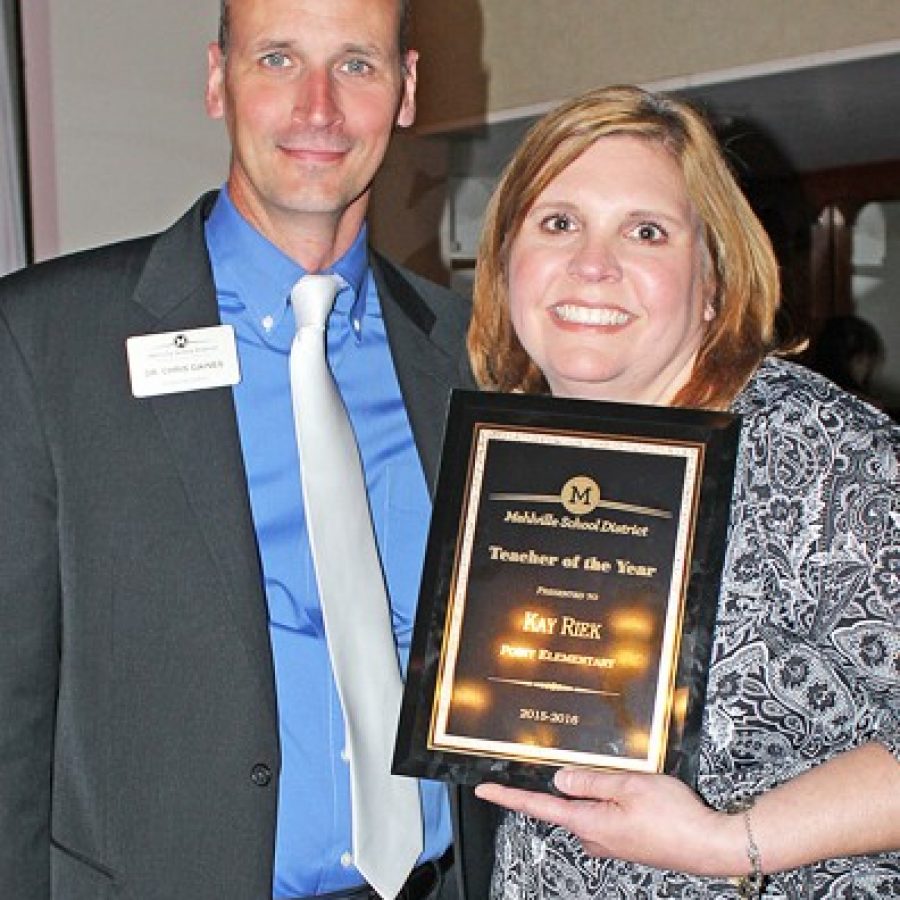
column 313, row 853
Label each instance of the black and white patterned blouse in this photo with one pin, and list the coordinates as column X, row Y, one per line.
column 806, row 658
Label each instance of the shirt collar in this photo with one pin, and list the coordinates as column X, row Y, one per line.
column 253, row 274
column 353, row 267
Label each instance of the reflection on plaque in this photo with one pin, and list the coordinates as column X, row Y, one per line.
column 569, row 590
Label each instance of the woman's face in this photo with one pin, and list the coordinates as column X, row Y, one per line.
column 609, row 284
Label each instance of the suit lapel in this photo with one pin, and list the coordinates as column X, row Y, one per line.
column 176, row 288
column 427, row 358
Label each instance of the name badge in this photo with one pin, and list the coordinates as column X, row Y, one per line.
column 180, row 361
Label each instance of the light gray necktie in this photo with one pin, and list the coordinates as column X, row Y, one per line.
column 387, row 815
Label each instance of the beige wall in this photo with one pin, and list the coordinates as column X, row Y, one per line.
column 119, row 140
column 531, row 53
column 120, row 145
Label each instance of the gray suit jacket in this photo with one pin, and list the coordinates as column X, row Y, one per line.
column 139, row 752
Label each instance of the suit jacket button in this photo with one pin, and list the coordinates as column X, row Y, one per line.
column 261, row 775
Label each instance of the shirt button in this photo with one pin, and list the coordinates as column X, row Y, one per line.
column 347, row 859
column 261, row 775
column 345, row 755
column 268, row 322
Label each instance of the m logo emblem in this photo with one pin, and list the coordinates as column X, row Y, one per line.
column 580, row 495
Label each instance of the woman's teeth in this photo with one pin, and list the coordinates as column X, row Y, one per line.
column 589, row 315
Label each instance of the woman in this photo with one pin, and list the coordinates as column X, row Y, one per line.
column 620, row 261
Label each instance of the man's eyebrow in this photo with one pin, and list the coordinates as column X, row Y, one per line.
column 271, row 44
column 372, row 50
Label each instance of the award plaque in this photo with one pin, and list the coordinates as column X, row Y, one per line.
column 569, row 590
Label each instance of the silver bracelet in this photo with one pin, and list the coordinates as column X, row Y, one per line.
column 750, row 886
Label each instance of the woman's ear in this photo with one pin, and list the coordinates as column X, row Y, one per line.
column 709, row 286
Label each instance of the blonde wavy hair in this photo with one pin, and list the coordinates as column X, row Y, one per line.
column 745, row 270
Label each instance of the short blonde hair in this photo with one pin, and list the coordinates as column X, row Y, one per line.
column 402, row 31
column 745, row 270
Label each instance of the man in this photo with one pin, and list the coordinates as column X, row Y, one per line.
column 169, row 724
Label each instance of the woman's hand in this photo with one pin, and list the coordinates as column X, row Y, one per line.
column 847, row 806
column 651, row 819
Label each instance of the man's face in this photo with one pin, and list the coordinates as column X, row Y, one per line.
column 310, row 91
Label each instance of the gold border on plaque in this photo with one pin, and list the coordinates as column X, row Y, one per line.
column 439, row 738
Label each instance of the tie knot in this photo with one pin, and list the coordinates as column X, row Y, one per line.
column 312, row 298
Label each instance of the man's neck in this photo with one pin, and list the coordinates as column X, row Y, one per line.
column 314, row 240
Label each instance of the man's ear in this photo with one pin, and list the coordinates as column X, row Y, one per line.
column 215, row 75
column 406, row 114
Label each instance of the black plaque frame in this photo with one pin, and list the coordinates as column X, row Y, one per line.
column 477, row 657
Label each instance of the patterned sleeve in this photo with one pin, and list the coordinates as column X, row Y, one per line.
column 808, row 640
column 862, row 571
